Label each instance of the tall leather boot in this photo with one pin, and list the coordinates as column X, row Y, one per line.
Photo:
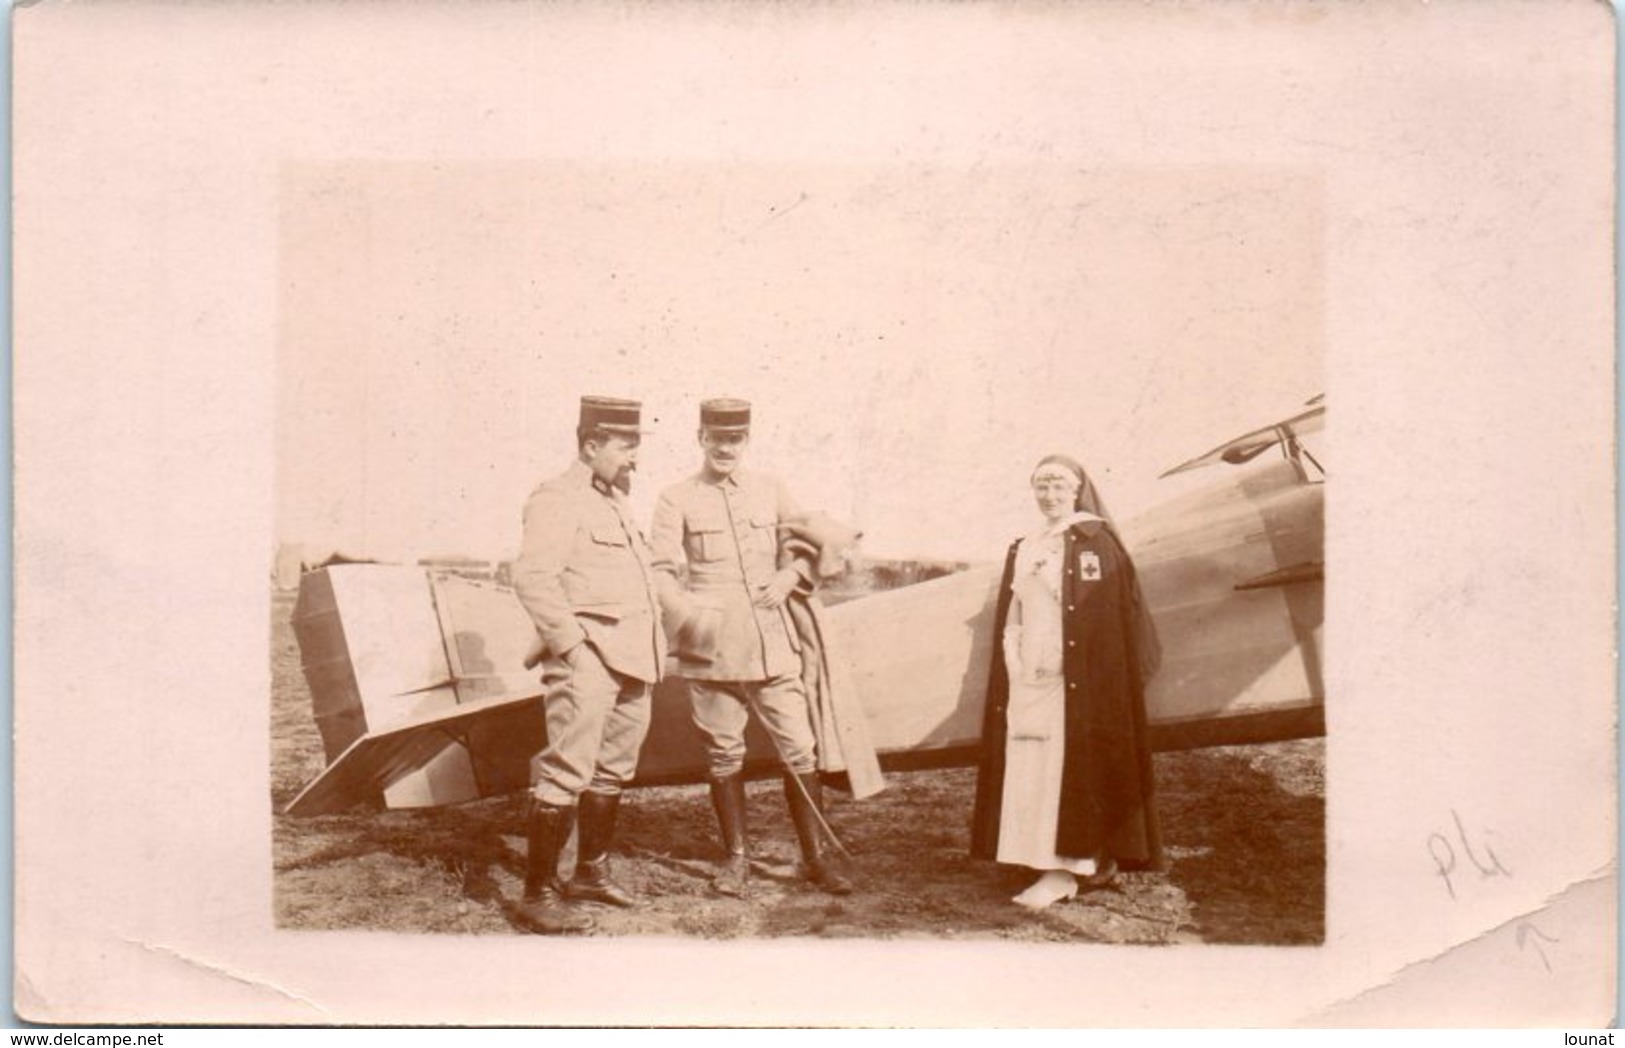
column 592, row 882
column 543, row 908
column 825, row 867
column 728, row 798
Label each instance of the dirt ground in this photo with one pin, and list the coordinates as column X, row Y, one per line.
column 1244, row 829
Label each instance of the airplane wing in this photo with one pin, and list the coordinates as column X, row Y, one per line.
column 1249, row 446
column 381, row 758
column 420, row 692
column 417, row 684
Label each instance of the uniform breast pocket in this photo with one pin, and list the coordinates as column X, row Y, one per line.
column 608, row 540
column 598, row 573
column 708, row 540
column 764, row 530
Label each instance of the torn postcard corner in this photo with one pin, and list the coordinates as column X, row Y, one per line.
column 1554, row 967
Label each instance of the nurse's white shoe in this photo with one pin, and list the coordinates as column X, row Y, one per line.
column 1049, row 889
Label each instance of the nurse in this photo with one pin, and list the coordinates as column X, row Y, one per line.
column 1065, row 783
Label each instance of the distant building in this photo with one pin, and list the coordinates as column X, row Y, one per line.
column 457, row 564
column 872, row 576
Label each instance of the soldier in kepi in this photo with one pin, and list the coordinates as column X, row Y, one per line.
column 584, row 574
column 733, row 638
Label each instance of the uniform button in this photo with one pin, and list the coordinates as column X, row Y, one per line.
column 1071, row 607
column 1071, row 643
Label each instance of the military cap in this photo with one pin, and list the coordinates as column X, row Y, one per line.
column 611, row 414
column 725, row 414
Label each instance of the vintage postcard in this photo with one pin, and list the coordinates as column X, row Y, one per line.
column 917, row 514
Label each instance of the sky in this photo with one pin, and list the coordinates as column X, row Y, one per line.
column 913, row 336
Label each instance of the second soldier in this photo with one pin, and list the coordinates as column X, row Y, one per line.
column 733, row 638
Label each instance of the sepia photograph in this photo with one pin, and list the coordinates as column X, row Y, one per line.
column 812, row 585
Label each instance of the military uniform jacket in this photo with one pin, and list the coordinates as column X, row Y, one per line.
column 584, row 573
column 727, row 536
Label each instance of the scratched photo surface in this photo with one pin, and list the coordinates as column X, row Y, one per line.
column 306, row 296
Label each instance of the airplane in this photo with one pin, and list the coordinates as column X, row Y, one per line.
column 420, row 691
